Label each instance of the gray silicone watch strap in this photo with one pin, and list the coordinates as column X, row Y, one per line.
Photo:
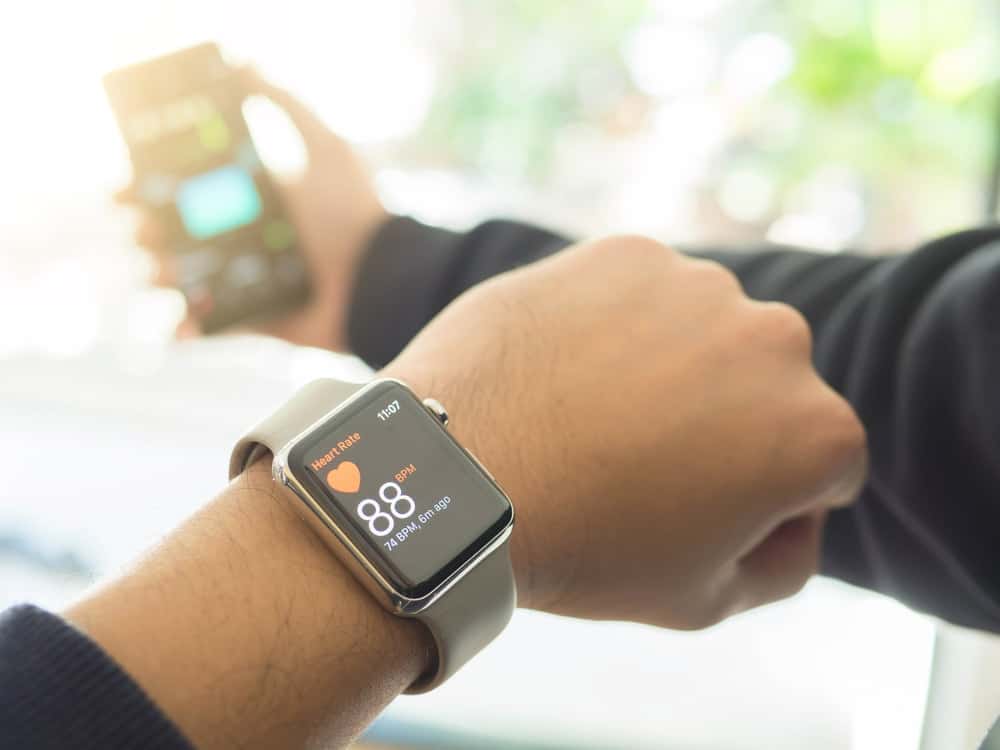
column 309, row 404
column 473, row 612
column 467, row 618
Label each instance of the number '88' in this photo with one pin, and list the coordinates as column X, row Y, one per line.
column 381, row 523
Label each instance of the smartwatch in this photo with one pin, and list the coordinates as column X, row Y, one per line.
column 415, row 517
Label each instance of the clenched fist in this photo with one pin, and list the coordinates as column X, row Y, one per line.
column 670, row 450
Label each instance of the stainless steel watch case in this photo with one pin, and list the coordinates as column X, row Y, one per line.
column 329, row 530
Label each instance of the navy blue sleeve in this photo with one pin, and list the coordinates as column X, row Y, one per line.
column 59, row 690
column 912, row 342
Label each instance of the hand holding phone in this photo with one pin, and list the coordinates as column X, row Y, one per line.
column 333, row 208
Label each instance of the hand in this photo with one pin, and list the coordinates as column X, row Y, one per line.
column 335, row 209
column 670, row 450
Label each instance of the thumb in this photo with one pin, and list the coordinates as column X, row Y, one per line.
column 311, row 127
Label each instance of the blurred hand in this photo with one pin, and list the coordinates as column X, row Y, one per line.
column 670, row 451
column 334, row 207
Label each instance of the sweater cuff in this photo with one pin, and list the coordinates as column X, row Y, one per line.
column 59, row 689
column 397, row 286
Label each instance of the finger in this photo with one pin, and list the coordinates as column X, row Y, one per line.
column 784, row 562
column 312, row 128
column 841, row 454
column 150, row 235
column 165, row 271
column 189, row 328
column 844, row 490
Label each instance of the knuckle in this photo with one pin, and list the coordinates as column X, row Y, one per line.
column 633, row 248
column 786, row 325
column 715, row 277
column 832, row 444
column 825, row 444
column 846, row 441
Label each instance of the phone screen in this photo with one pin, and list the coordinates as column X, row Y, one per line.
column 198, row 172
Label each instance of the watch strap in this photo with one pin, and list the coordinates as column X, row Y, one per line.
column 309, row 404
column 469, row 616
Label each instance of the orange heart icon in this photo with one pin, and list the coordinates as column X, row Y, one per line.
column 345, row 478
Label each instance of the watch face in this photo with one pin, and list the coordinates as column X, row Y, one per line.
column 400, row 488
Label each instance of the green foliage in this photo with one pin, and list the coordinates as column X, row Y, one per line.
column 506, row 92
column 833, row 72
column 883, row 87
column 862, row 77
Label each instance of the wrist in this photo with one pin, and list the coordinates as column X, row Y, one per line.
column 477, row 433
column 244, row 614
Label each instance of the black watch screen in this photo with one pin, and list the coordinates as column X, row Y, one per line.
column 400, row 487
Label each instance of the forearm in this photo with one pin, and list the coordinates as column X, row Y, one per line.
column 248, row 633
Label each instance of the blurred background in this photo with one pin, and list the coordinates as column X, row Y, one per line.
column 832, row 124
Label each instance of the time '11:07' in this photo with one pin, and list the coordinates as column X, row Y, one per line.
column 391, row 408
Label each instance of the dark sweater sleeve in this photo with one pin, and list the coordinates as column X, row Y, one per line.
column 411, row 271
column 59, row 690
column 913, row 342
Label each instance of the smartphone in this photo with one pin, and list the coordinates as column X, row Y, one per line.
column 196, row 169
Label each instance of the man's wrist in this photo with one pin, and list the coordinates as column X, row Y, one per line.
column 242, row 625
column 471, row 428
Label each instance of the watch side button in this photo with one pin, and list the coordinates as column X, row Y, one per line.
column 436, row 410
